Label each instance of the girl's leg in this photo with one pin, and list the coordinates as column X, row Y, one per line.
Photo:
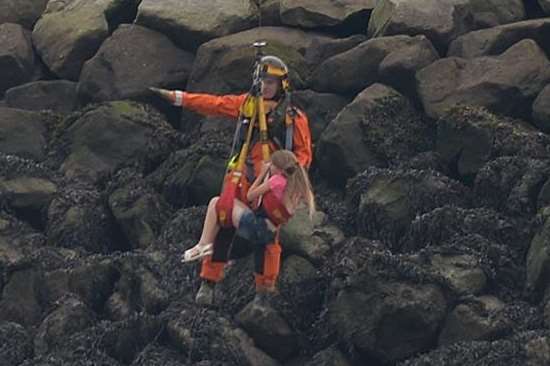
column 239, row 209
column 210, row 228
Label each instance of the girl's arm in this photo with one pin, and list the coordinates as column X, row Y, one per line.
column 255, row 192
column 260, row 185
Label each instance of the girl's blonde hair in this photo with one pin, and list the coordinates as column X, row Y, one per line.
column 298, row 187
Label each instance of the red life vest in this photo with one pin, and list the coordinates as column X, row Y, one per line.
column 236, row 186
column 275, row 209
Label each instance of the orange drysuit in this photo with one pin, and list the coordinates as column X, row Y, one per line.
column 229, row 106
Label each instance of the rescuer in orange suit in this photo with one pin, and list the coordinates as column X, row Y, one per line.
column 288, row 128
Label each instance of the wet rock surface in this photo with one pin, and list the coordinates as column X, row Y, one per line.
column 58, row 96
column 494, row 41
column 317, row 14
column 136, row 135
column 16, row 56
column 193, row 22
column 483, row 82
column 24, row 133
column 386, row 201
column 441, row 21
column 223, row 65
column 24, row 12
column 526, row 348
column 122, row 68
column 382, row 59
column 488, row 136
column 353, row 140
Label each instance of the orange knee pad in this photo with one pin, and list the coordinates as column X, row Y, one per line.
column 212, row 271
column 272, row 266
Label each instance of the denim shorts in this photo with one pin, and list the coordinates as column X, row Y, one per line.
column 254, row 229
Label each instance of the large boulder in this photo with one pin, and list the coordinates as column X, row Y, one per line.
column 245, row 346
column 138, row 289
column 538, row 351
column 106, row 136
column 513, row 185
column 468, row 138
column 206, row 178
column 270, row 12
column 380, row 126
column 69, row 317
column 192, row 22
column 124, row 68
column 545, row 5
column 55, row 95
column 24, row 12
column 296, row 270
column 27, row 188
column 387, row 201
column 69, row 33
column 23, row 297
column 176, row 185
column 268, row 329
column 402, row 319
column 494, row 41
column 139, row 210
column 216, row 339
column 311, row 238
column 125, row 340
column 16, row 56
column 78, row 217
column 522, row 348
column 194, row 175
column 391, row 60
column 23, row 133
column 56, row 283
column 447, row 223
column 541, row 110
column 325, row 13
column 491, row 13
column 496, row 242
column 464, row 272
column 320, row 108
column 479, row 319
column 302, row 288
column 224, row 64
column 329, row 357
column 94, row 282
column 441, row 20
column 506, row 84
column 18, row 244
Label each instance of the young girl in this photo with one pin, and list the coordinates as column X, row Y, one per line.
column 288, row 184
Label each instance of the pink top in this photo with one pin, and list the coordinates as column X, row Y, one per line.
column 277, row 184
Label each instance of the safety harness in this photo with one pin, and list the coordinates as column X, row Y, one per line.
column 235, row 183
